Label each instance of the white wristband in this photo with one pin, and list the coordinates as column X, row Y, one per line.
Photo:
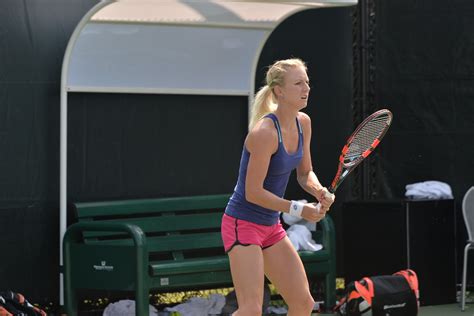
column 296, row 208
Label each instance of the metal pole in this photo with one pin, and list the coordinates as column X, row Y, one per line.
column 63, row 138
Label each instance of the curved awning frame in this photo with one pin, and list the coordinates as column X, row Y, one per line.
column 141, row 46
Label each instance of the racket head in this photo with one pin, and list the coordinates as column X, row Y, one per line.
column 365, row 138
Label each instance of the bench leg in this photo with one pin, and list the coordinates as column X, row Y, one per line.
column 70, row 302
column 142, row 287
column 330, row 287
column 142, row 302
column 70, row 294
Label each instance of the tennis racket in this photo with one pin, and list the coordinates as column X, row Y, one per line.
column 360, row 144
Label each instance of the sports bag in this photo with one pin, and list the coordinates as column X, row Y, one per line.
column 15, row 304
column 385, row 295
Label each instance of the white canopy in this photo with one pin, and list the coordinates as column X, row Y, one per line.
column 179, row 47
column 168, row 46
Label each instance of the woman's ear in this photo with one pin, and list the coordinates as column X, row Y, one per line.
column 278, row 91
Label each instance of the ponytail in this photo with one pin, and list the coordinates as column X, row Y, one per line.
column 262, row 105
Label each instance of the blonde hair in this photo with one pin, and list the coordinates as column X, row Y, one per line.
column 265, row 100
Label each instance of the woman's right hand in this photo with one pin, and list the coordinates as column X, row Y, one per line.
column 311, row 213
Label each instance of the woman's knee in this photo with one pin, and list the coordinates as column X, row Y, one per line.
column 309, row 303
column 303, row 303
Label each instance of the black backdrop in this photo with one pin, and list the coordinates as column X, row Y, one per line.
column 138, row 146
column 424, row 74
column 33, row 38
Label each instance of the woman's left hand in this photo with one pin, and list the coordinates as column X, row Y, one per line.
column 326, row 199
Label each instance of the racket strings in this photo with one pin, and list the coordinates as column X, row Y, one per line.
column 364, row 139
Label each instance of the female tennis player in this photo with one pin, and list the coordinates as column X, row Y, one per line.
column 277, row 143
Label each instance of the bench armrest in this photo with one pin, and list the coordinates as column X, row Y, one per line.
column 73, row 235
column 74, row 232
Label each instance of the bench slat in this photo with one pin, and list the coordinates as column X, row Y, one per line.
column 171, row 242
column 164, row 224
column 190, row 265
column 145, row 206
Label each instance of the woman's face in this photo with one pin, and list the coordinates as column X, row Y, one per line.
column 295, row 88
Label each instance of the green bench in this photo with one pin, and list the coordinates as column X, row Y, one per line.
column 162, row 245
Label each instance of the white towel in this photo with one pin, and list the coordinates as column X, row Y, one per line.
column 300, row 237
column 434, row 190
column 272, row 310
column 199, row 306
column 125, row 308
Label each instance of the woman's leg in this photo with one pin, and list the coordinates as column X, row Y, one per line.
column 285, row 270
column 246, row 265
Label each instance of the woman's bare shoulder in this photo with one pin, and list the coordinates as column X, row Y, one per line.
column 262, row 136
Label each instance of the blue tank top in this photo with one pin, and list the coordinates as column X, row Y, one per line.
column 279, row 170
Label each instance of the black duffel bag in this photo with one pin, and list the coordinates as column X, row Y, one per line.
column 385, row 295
